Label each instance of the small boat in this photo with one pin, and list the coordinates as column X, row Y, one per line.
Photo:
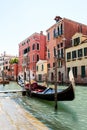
column 46, row 93
column 5, row 81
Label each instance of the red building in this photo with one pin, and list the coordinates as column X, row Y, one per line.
column 58, row 39
column 31, row 50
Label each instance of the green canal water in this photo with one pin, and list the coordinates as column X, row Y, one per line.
column 71, row 115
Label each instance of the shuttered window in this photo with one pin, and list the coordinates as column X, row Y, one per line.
column 85, row 51
column 82, row 71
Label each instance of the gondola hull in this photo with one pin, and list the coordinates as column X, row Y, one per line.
column 49, row 94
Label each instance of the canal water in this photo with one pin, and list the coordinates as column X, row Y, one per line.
column 70, row 115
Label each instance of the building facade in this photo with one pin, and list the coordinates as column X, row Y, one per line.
column 6, row 69
column 31, row 50
column 58, row 39
column 76, row 58
column 41, row 71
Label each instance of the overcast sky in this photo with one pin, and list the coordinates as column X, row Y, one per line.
column 21, row 18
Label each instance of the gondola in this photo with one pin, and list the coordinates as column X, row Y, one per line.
column 48, row 93
column 42, row 92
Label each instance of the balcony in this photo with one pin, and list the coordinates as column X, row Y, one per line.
column 61, row 56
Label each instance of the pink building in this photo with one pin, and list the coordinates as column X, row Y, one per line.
column 31, row 50
column 58, row 39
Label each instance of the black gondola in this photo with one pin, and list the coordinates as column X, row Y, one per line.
column 46, row 93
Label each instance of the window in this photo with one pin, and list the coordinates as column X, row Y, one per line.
column 61, row 44
column 28, row 49
column 42, row 68
column 6, row 67
column 48, row 53
column 54, row 52
column 48, row 65
column 48, row 36
column 76, row 41
column 75, row 71
column 25, row 51
column 33, row 47
column 59, row 54
column 61, row 29
column 62, row 54
column 73, row 54
column 40, row 77
column 85, row 51
column 60, row 64
column 38, row 46
column 37, row 68
column 58, row 46
column 28, row 40
column 54, row 64
column 83, row 73
column 54, row 32
column 80, row 53
column 37, row 57
column 68, row 55
column 58, row 31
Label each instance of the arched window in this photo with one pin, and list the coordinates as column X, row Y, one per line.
column 37, row 57
column 48, row 36
column 61, row 29
column 48, row 53
column 54, row 32
column 54, row 52
column 33, row 47
column 38, row 47
column 42, row 67
column 58, row 31
column 52, row 76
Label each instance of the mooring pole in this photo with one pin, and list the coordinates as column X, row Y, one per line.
column 28, row 69
column 55, row 83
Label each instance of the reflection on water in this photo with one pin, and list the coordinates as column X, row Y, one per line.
column 71, row 115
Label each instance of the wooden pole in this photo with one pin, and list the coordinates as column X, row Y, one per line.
column 28, row 69
column 55, row 84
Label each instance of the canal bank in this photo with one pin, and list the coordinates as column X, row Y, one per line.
column 14, row 117
column 69, row 116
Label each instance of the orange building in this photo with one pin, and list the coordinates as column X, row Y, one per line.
column 58, row 39
column 31, row 50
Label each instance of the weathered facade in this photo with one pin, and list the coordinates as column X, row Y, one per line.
column 41, row 70
column 31, row 50
column 58, row 39
column 76, row 58
column 8, row 70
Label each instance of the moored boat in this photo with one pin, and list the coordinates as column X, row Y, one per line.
column 5, row 81
column 42, row 92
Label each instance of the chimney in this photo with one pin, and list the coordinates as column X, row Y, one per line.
column 57, row 18
column 41, row 32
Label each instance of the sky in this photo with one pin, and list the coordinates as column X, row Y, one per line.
column 21, row 18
